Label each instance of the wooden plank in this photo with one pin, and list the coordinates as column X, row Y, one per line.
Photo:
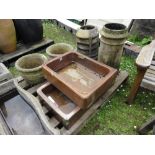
column 123, row 75
column 147, row 84
column 145, row 57
column 68, row 25
column 152, row 67
column 34, row 88
column 29, row 88
column 131, row 49
column 151, row 79
column 153, row 63
column 24, row 49
column 150, row 71
column 147, row 74
column 146, row 127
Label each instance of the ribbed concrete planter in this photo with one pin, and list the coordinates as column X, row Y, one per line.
column 87, row 39
column 113, row 36
column 30, row 67
column 58, row 49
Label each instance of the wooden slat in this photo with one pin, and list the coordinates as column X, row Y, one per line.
column 152, row 79
column 145, row 57
column 150, row 71
column 152, row 67
column 21, row 50
column 147, row 84
column 34, row 88
column 68, row 23
column 146, row 127
column 153, row 63
column 147, row 74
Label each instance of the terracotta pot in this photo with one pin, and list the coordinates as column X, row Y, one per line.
column 30, row 67
column 7, row 36
column 58, row 49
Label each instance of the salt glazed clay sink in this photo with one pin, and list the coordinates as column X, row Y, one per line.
column 58, row 49
column 30, row 67
column 80, row 78
column 22, row 112
column 65, row 109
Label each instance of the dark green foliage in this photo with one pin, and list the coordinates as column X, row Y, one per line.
column 140, row 41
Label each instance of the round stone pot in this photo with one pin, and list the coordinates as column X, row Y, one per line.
column 30, row 67
column 58, row 49
column 113, row 36
column 7, row 36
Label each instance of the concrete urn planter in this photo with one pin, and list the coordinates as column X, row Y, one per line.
column 113, row 37
column 58, row 49
column 30, row 67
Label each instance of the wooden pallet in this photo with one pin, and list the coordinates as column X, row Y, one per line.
column 24, row 49
column 123, row 75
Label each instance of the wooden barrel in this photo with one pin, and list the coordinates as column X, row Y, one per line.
column 29, row 31
column 7, row 36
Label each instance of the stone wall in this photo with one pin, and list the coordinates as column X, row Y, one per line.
column 143, row 27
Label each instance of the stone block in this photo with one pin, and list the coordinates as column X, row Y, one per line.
column 5, row 74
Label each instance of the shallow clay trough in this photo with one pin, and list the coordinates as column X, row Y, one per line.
column 80, row 78
column 65, row 109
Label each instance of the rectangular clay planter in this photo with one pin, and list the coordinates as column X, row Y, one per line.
column 80, row 78
column 66, row 110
